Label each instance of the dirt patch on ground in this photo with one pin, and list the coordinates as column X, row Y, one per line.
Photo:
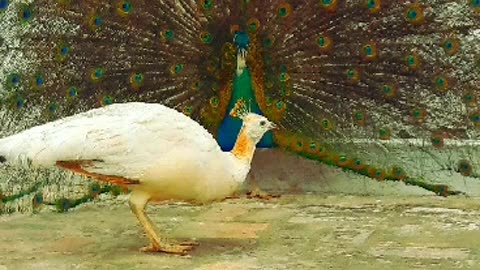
column 293, row 232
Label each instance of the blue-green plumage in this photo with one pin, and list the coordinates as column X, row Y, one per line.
column 242, row 89
column 228, row 132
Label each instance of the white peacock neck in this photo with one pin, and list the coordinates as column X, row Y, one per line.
column 245, row 145
column 244, row 148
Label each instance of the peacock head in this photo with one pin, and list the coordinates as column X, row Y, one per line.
column 242, row 41
column 254, row 125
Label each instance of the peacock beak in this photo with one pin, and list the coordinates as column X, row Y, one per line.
column 273, row 125
column 241, row 61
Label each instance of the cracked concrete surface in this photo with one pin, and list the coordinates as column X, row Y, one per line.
column 292, row 232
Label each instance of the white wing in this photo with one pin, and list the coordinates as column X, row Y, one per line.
column 123, row 139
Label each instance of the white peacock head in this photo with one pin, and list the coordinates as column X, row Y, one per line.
column 254, row 124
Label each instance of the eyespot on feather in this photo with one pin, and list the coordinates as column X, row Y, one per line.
column 329, row 5
column 415, row 14
column 374, row 6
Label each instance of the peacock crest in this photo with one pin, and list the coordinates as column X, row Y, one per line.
column 240, row 109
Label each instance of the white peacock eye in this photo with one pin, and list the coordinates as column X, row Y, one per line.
column 263, row 123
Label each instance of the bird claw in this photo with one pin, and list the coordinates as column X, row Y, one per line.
column 233, row 197
column 185, row 243
column 181, row 248
column 256, row 193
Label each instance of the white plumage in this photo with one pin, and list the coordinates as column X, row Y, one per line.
column 165, row 154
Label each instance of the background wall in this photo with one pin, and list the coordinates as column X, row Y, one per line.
column 276, row 171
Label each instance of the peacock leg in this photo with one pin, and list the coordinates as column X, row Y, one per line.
column 256, row 192
column 138, row 203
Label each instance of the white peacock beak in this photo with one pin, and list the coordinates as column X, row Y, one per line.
column 272, row 125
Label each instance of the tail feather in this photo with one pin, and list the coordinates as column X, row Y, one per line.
column 327, row 72
column 104, row 52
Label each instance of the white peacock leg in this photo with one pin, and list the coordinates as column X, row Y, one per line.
column 138, row 203
column 255, row 190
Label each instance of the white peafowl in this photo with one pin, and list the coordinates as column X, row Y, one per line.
column 351, row 84
column 157, row 152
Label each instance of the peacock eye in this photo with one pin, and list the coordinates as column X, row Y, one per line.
column 263, row 123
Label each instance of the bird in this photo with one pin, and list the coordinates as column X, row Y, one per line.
column 157, row 152
column 337, row 77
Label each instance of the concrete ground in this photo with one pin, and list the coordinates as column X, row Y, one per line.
column 292, row 232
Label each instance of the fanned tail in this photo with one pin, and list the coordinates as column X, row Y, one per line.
column 345, row 78
column 353, row 68
column 370, row 86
